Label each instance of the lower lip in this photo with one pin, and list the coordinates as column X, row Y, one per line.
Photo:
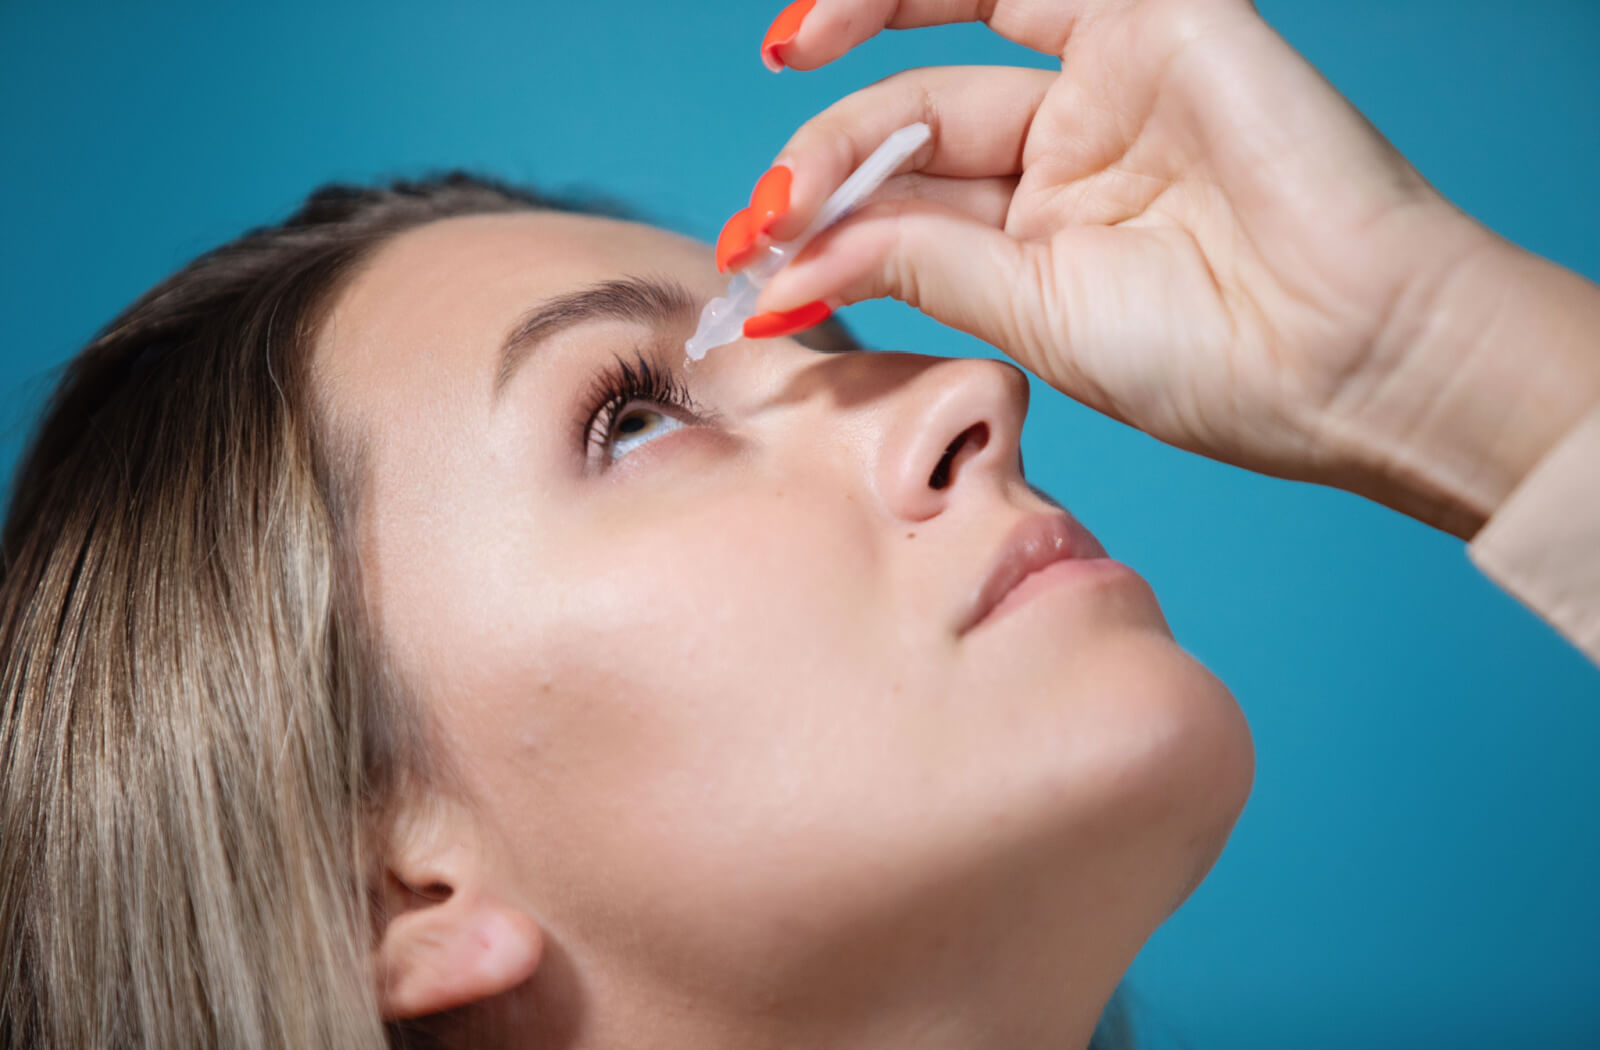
column 1057, row 574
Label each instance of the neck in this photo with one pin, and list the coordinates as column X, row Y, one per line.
column 977, row 977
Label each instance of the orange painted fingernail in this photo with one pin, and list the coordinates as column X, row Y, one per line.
column 736, row 241
column 769, row 201
column 784, row 29
column 786, row 322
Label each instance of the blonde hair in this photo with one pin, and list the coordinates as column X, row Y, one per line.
column 198, row 739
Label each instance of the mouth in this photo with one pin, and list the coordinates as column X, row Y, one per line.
column 1035, row 543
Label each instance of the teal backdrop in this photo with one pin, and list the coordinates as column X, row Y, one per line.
column 1418, row 864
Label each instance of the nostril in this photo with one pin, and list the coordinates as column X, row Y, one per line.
column 977, row 435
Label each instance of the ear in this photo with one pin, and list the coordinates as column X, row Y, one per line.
column 447, row 940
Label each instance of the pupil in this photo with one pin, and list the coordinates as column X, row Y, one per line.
column 630, row 425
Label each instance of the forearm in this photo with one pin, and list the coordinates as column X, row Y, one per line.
column 1494, row 361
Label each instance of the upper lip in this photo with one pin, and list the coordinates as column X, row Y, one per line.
column 1035, row 542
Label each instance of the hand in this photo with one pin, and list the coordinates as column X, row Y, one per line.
column 1186, row 228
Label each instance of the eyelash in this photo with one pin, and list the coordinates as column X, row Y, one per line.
column 622, row 383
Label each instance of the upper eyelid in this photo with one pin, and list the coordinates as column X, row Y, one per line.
column 655, row 301
column 653, row 363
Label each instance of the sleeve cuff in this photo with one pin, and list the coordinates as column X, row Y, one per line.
column 1543, row 543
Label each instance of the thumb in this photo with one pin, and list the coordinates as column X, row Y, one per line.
column 956, row 269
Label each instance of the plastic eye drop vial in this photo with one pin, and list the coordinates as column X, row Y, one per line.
column 722, row 320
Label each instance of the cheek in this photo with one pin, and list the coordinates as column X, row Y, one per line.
column 676, row 688
column 730, row 585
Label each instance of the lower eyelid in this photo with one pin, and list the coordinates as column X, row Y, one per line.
column 645, row 455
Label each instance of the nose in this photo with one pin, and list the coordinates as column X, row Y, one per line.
column 953, row 423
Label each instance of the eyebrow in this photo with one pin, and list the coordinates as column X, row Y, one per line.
column 654, row 301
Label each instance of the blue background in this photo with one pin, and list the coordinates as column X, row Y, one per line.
column 1418, row 864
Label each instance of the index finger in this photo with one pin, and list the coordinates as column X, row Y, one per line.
column 812, row 33
column 980, row 116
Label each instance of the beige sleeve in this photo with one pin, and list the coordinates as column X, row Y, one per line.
column 1543, row 543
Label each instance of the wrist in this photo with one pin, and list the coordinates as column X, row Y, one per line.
column 1489, row 360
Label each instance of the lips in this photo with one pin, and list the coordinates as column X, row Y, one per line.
column 1036, row 542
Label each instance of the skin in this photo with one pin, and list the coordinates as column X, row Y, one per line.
column 1184, row 226
column 728, row 775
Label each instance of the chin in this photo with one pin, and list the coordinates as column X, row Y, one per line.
column 1163, row 756
column 1202, row 773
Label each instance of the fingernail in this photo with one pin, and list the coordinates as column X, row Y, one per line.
column 736, row 241
column 786, row 322
column 769, row 201
column 784, row 29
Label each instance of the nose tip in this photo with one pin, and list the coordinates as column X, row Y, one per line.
column 959, row 420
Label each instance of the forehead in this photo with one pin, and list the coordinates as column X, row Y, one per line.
column 560, row 247
column 481, row 271
column 426, row 315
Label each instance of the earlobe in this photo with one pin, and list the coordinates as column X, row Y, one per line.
column 450, row 936
column 452, row 952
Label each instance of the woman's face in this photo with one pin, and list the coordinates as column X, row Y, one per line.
column 705, row 671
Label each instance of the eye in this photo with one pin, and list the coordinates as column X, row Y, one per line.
column 637, row 425
column 624, row 409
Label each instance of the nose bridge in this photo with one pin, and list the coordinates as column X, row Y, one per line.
column 896, row 417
